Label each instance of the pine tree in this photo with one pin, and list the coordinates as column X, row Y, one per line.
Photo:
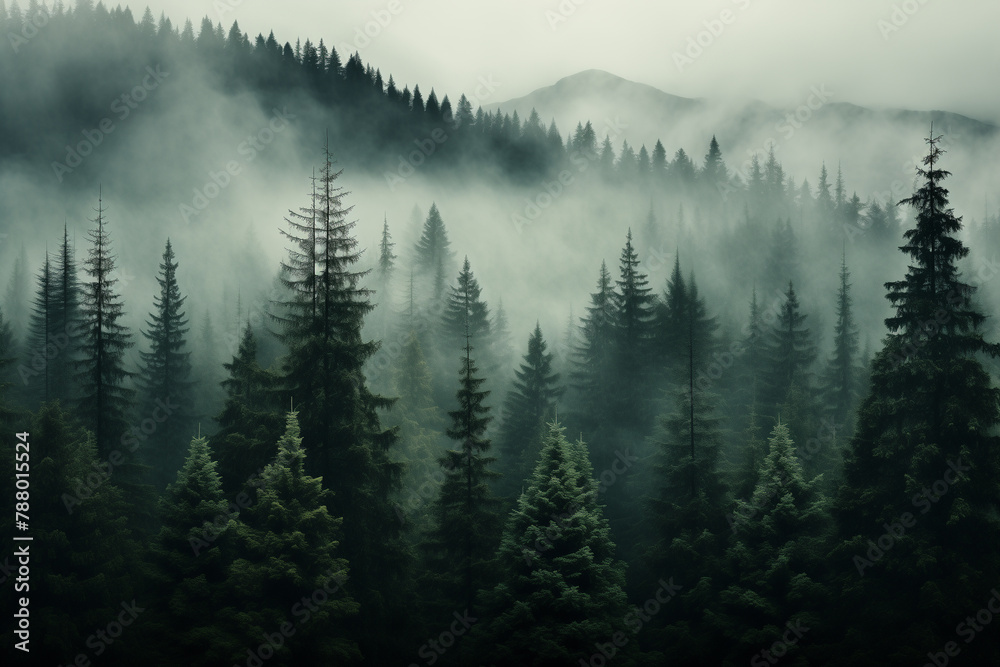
column 434, row 257
column 286, row 543
column 633, row 333
column 790, row 352
column 165, row 376
column 529, row 405
column 250, row 422
column 321, row 324
column 386, row 260
column 65, row 323
column 777, row 551
column 842, row 375
column 105, row 398
column 930, row 416
column 35, row 366
column 713, row 172
column 189, row 567
column 466, row 519
column 7, row 361
column 594, row 356
column 465, row 312
column 560, row 587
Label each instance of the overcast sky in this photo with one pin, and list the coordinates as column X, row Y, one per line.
column 925, row 54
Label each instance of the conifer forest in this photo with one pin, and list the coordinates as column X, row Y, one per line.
column 306, row 363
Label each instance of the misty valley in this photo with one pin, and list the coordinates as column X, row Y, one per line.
column 304, row 365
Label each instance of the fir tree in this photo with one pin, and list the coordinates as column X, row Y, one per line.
column 250, row 422
column 929, row 416
column 434, row 256
column 321, row 324
column 286, row 542
column 529, row 405
column 466, row 520
column 790, row 352
column 189, row 567
column 633, row 331
column 778, row 545
column 842, row 375
column 594, row 355
column 165, row 376
column 465, row 312
column 560, row 588
column 35, row 366
column 105, row 398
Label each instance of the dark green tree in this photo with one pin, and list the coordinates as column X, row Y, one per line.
column 467, row 523
column 287, row 543
column 434, row 257
column 529, row 405
column 321, row 323
column 928, row 421
column 593, row 356
column 250, row 422
column 560, row 585
column 189, row 567
column 776, row 554
column 790, row 352
column 633, row 337
column 106, row 397
column 165, row 377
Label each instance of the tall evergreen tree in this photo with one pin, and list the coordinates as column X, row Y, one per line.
column 778, row 545
column 529, row 405
column 790, row 352
column 321, row 324
column 594, row 354
column 35, row 366
column 466, row 519
column 106, row 398
column 165, row 376
column 465, row 312
column 842, row 379
column 633, row 333
column 928, row 421
column 65, row 322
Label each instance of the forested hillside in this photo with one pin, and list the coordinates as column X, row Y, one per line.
column 514, row 397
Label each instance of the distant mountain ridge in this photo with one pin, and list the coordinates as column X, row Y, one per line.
column 869, row 143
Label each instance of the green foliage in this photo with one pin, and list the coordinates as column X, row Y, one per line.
column 560, row 588
column 165, row 376
column 286, row 570
column 527, row 408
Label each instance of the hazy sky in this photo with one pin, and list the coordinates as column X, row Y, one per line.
column 926, row 54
